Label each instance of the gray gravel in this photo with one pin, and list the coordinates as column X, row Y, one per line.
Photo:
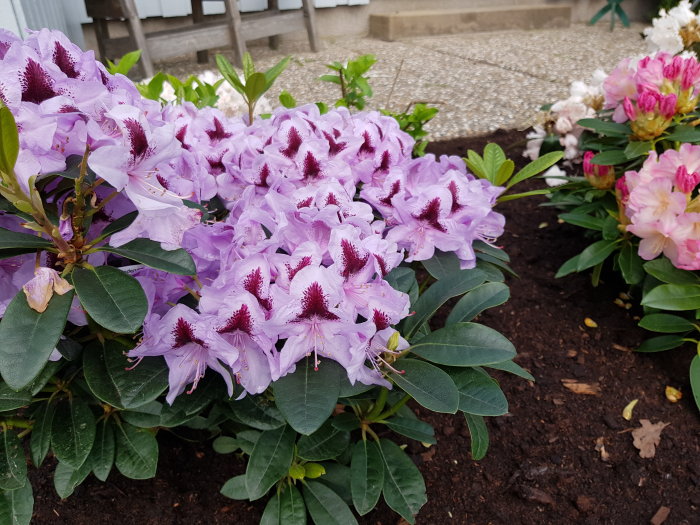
column 479, row 81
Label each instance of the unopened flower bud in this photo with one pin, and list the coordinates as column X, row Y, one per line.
column 686, row 182
column 600, row 177
column 667, row 105
column 630, row 111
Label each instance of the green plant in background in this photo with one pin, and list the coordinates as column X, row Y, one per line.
column 412, row 123
column 354, row 86
column 124, row 64
column 193, row 90
column 615, row 9
column 255, row 83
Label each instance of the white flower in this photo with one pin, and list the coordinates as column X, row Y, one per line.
column 553, row 176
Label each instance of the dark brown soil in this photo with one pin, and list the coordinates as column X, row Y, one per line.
column 545, row 464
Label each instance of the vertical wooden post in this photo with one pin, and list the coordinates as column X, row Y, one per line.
column 197, row 17
column 136, row 32
column 234, row 22
column 310, row 20
column 273, row 8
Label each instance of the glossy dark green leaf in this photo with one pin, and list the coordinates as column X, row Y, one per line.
column 103, row 450
column 684, row 134
column 631, row 264
column 442, row 264
column 661, row 343
column 145, row 416
column 675, row 297
column 545, row 161
column 28, row 337
column 438, row 293
column 270, row 460
column 11, row 399
column 225, row 445
column 271, row 514
column 40, row 438
column 583, row 220
column 325, row 506
column 611, row 157
column 16, row 506
column 307, row 397
column 479, row 394
column 404, row 488
column 136, row 454
column 114, row 379
column 66, row 478
column 13, row 465
column 16, row 240
column 464, row 344
column 513, row 368
column 664, row 271
column 337, row 478
column 257, row 412
column 695, row 379
column 326, row 443
column 73, row 432
column 413, row 428
column 151, row 254
column 292, row 507
column 427, row 384
column 637, row 148
column 234, row 488
column 366, row 476
column 346, row 421
column 480, row 436
column 403, row 279
column 120, row 224
column 666, row 323
column 112, row 298
column 568, row 267
column 604, row 127
column 247, row 440
column 476, row 301
column 595, row 254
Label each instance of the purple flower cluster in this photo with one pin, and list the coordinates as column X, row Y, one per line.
column 318, row 210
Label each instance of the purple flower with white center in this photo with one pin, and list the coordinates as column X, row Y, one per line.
column 190, row 344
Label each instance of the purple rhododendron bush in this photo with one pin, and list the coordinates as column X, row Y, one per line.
column 634, row 134
column 270, row 284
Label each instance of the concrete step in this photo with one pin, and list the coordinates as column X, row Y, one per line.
column 404, row 24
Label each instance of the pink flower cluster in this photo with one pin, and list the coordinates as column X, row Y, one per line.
column 651, row 91
column 313, row 212
column 662, row 206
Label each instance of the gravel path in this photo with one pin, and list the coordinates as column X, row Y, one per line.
column 479, row 81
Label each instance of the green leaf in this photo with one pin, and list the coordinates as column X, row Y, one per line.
column 66, row 478
column 247, row 440
column 11, row 240
column 479, row 394
column 146, row 416
column 604, row 127
column 275, row 71
column 234, row 488
column 307, row 397
column 257, row 412
column 28, row 337
column 504, row 172
column 366, row 476
column 630, row 264
column 292, row 507
column 229, row 73
column 136, row 454
column 118, row 225
column 270, row 460
column 413, row 428
column 673, row 297
column 442, row 265
column 666, row 323
column 595, row 254
column 427, row 384
column 610, row 157
column 695, row 379
column 41, row 432
column 103, row 450
column 479, row 434
column 112, row 298
column 611, row 231
column 115, row 380
column 255, row 86
column 151, row 254
column 248, row 66
column 11, row 399
column 684, row 134
column 73, row 432
column 287, row 100
column 664, row 271
column 512, row 368
column 13, row 465
column 476, row 301
column 271, row 514
column 661, row 343
column 568, row 267
column 9, row 141
column 403, row 279
column 325, row 506
column 583, row 220
column 636, row 149
column 404, row 488
column 16, row 506
column 493, row 159
column 333, row 79
column 438, row 293
column 464, row 344
column 326, row 443
column 536, row 166
column 225, row 445
column 476, row 164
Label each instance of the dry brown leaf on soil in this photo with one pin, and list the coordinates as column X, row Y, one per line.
column 647, row 437
column 600, row 447
column 590, row 389
column 660, row 516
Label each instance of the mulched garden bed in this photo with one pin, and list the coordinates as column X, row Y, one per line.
column 557, row 457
